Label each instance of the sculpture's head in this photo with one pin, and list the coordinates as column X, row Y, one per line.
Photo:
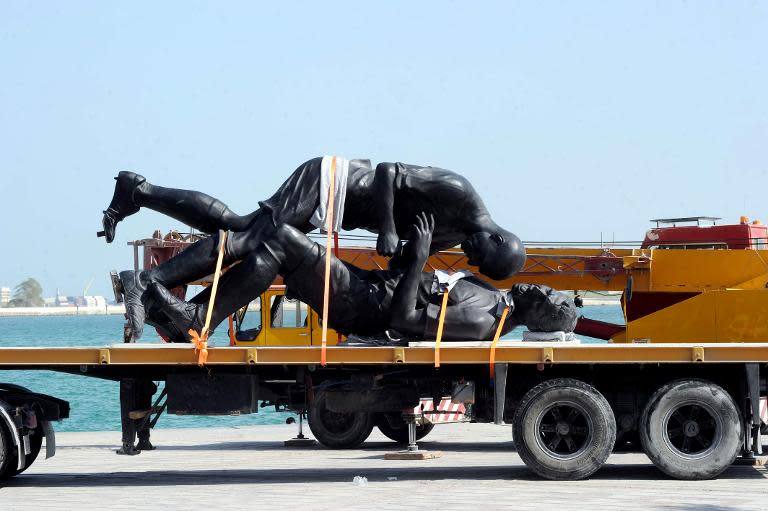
column 499, row 254
column 542, row 309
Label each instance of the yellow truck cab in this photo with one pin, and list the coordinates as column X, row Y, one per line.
column 275, row 319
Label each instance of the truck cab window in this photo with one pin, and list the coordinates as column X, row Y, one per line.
column 287, row 313
column 249, row 321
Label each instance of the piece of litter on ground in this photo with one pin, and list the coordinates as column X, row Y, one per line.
column 360, row 481
column 391, row 478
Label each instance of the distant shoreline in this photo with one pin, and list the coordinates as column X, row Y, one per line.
column 109, row 310
column 605, row 301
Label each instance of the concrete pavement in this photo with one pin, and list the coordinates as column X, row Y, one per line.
column 248, row 468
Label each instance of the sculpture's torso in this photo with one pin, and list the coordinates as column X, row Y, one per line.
column 443, row 193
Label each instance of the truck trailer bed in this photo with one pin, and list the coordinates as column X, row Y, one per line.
column 463, row 353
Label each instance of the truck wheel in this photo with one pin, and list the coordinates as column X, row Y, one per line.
column 394, row 427
column 690, row 429
column 564, row 429
column 9, row 457
column 338, row 430
column 7, row 453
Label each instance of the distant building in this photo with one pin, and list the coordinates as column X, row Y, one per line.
column 5, row 296
column 99, row 301
column 89, row 301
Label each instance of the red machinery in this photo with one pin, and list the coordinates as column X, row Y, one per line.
column 706, row 234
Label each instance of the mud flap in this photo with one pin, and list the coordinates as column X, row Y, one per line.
column 50, row 439
column 499, row 393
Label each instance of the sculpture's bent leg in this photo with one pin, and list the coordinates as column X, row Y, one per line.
column 171, row 316
column 196, row 209
column 192, row 264
column 282, row 253
column 199, row 260
column 237, row 287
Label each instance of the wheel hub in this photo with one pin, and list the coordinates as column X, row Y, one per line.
column 338, row 422
column 691, row 428
column 564, row 430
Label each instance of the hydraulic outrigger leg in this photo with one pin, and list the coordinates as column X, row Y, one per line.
column 300, row 440
column 752, row 450
column 412, row 452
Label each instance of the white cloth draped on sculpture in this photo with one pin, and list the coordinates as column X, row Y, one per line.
column 320, row 217
column 443, row 281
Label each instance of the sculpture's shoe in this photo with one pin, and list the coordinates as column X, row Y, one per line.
column 155, row 305
column 133, row 290
column 171, row 315
column 122, row 203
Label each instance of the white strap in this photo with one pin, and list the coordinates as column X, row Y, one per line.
column 320, row 216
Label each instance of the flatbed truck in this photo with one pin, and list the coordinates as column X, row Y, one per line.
column 692, row 408
column 683, row 379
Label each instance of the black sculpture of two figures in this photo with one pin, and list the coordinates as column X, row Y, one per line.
column 434, row 209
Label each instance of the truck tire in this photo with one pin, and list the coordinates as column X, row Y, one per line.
column 338, row 430
column 9, row 456
column 564, row 429
column 394, row 427
column 7, row 453
column 691, row 429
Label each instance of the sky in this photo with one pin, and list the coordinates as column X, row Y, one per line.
column 572, row 119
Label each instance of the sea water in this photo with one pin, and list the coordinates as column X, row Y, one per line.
column 95, row 403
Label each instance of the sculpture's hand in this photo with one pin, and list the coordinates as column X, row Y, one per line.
column 387, row 243
column 421, row 237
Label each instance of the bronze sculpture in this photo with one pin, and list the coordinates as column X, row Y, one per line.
column 384, row 199
column 365, row 302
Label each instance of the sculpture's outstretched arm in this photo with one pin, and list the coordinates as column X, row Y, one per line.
column 384, row 195
column 405, row 316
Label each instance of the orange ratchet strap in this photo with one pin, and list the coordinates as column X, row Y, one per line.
column 336, row 253
column 232, row 338
column 496, row 341
column 201, row 339
column 440, row 322
column 328, row 246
